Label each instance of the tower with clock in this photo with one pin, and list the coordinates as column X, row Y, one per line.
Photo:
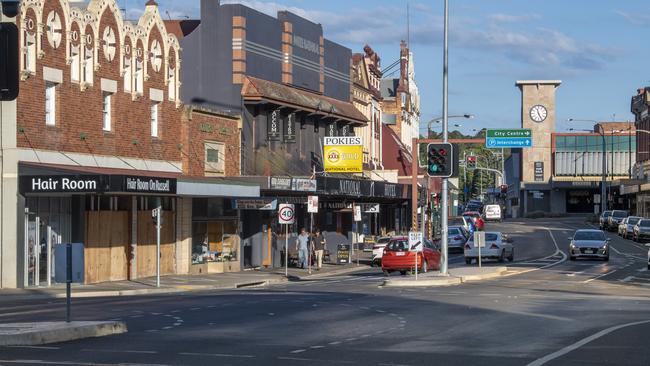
column 538, row 114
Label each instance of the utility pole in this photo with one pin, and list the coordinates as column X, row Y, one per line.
column 445, row 136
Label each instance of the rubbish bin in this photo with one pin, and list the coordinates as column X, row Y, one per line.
column 343, row 254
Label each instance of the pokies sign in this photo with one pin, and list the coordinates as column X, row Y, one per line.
column 343, row 154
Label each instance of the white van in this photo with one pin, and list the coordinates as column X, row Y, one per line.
column 492, row 212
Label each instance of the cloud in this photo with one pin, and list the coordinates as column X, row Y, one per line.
column 635, row 19
column 507, row 18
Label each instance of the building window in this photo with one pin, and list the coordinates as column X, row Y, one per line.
column 29, row 51
column 171, row 84
column 214, row 157
column 50, row 104
column 128, row 74
column 139, row 76
column 154, row 119
column 88, row 65
column 106, row 111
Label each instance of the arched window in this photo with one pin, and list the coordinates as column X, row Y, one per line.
column 172, row 76
column 75, row 53
column 128, row 66
column 29, row 43
column 139, row 69
column 89, row 57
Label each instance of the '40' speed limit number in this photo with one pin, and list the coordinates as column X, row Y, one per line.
column 286, row 213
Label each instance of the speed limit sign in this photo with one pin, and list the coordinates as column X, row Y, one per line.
column 286, row 213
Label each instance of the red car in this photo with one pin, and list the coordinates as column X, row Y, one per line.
column 398, row 257
column 472, row 214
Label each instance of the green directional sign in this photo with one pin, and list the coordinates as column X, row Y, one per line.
column 519, row 132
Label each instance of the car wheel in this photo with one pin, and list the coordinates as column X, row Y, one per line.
column 648, row 266
column 572, row 258
column 403, row 273
column 511, row 257
column 468, row 260
column 502, row 257
column 386, row 273
column 606, row 259
column 425, row 267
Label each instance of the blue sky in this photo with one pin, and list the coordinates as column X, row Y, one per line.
column 598, row 48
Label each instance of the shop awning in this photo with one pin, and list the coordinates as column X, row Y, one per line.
column 255, row 90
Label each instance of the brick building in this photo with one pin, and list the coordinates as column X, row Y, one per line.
column 101, row 138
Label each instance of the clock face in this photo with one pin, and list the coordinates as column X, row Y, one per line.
column 538, row 113
column 108, row 39
column 54, row 29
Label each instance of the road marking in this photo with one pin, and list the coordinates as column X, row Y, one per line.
column 298, row 351
column 582, row 342
column 42, row 362
column 116, row 351
column 316, row 347
column 215, row 355
column 334, row 343
column 597, row 277
column 35, row 347
column 314, row 359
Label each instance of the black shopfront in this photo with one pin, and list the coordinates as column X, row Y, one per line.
column 385, row 209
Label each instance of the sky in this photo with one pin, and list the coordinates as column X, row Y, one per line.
column 597, row 48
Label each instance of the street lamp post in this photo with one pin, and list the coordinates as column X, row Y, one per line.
column 445, row 120
column 438, row 119
column 603, row 187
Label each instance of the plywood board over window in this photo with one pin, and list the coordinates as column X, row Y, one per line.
column 106, row 245
column 146, row 256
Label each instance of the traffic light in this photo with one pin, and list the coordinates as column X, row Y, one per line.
column 470, row 163
column 8, row 60
column 442, row 160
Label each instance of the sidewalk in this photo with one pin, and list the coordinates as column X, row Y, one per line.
column 30, row 334
column 181, row 283
column 456, row 277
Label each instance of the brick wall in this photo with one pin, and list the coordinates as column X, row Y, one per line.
column 79, row 112
column 200, row 126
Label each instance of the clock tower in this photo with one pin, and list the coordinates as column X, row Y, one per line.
column 537, row 114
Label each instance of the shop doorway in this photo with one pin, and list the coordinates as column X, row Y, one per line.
column 47, row 223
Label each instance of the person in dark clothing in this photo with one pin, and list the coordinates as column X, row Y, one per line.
column 319, row 248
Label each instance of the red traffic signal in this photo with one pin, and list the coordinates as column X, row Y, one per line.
column 504, row 188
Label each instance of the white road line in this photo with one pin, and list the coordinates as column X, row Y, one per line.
column 298, row 351
column 316, row 347
column 117, row 351
column 43, row 362
column 334, row 343
column 582, row 342
column 314, row 359
column 215, row 355
column 597, row 277
column 35, row 347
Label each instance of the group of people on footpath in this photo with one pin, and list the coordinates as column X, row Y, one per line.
column 307, row 242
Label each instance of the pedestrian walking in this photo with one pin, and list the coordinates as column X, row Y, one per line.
column 480, row 224
column 319, row 248
column 302, row 246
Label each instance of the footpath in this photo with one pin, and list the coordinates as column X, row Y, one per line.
column 456, row 276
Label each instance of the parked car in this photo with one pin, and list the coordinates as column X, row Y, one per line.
column 589, row 243
column 496, row 247
column 457, row 236
column 641, row 230
column 472, row 214
column 398, row 257
column 648, row 257
column 492, row 212
column 602, row 222
column 615, row 218
column 378, row 250
column 626, row 227
column 463, row 221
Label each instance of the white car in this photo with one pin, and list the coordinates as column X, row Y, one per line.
column 626, row 227
column 492, row 212
column 496, row 247
column 378, row 250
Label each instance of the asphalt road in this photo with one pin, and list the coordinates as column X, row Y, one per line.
column 546, row 311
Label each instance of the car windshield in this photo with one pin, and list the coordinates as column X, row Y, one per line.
column 453, row 231
column 619, row 214
column 488, row 237
column 383, row 240
column 398, row 245
column 644, row 223
column 633, row 220
column 607, row 213
column 589, row 235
